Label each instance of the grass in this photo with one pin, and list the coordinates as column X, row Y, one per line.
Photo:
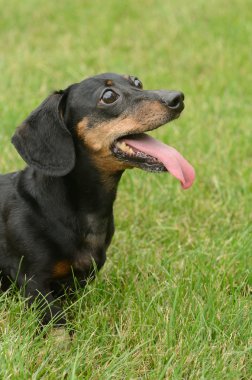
column 174, row 298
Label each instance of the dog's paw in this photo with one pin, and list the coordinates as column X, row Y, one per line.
column 61, row 337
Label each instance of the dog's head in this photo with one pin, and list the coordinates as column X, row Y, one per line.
column 107, row 115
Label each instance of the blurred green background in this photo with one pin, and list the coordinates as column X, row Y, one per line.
column 178, row 275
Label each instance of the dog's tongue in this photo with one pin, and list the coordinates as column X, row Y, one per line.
column 174, row 162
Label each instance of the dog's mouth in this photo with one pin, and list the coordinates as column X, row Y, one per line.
column 143, row 151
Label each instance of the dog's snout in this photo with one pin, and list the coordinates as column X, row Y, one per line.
column 173, row 99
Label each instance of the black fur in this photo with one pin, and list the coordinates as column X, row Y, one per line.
column 56, row 215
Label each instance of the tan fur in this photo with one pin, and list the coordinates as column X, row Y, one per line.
column 61, row 269
column 98, row 138
column 109, row 82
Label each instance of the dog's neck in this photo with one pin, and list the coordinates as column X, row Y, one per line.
column 90, row 188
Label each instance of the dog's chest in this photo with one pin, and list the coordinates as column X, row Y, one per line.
column 91, row 249
column 93, row 242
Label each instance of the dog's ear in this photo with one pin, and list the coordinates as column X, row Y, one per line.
column 43, row 140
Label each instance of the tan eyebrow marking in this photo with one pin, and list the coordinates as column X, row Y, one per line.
column 109, row 82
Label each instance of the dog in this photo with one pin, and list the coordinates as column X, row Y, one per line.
column 56, row 215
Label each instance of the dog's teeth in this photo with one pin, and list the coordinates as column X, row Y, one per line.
column 125, row 148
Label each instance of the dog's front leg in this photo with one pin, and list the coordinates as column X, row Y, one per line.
column 37, row 291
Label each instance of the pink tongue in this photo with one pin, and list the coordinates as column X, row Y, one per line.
column 170, row 157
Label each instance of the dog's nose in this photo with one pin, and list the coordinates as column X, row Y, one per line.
column 173, row 99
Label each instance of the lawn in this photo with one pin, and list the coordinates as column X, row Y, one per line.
column 174, row 298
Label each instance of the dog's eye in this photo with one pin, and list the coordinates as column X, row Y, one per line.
column 137, row 83
column 109, row 97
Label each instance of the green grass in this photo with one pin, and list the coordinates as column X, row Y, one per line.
column 174, row 298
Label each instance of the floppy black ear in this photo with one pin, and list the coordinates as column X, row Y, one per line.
column 43, row 140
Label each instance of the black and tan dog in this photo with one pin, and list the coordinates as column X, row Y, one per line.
column 56, row 215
